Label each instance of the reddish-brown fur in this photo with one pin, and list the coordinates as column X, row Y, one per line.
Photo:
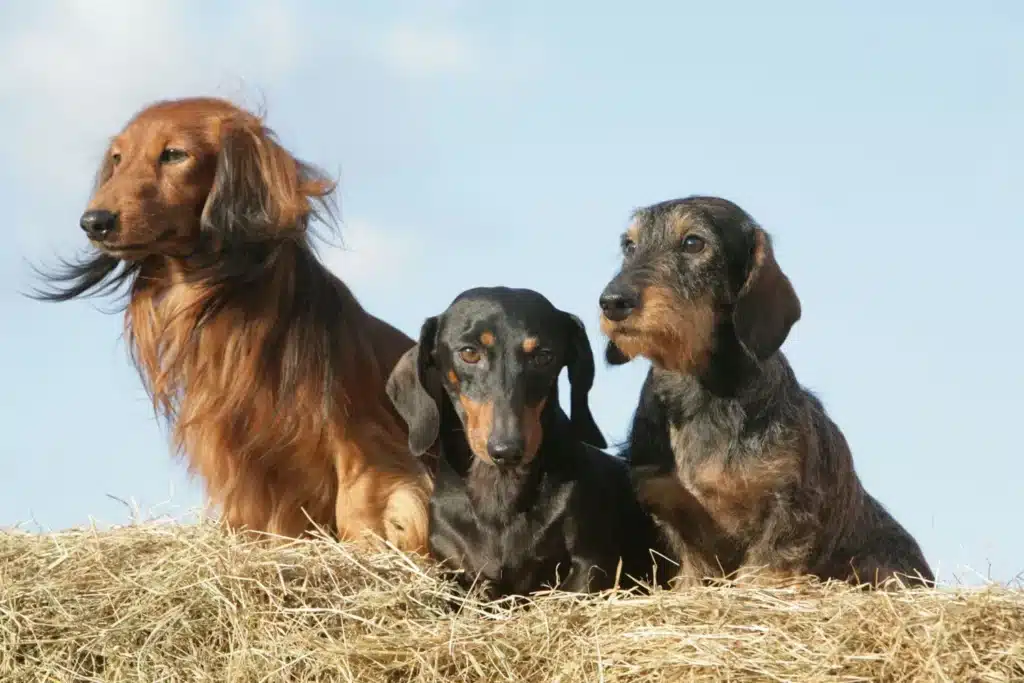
column 270, row 371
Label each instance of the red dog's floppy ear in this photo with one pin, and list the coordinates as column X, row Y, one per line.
column 767, row 305
column 259, row 189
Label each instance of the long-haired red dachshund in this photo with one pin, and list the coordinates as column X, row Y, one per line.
column 268, row 369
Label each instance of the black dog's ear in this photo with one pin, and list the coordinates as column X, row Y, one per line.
column 613, row 355
column 767, row 305
column 415, row 393
column 580, row 361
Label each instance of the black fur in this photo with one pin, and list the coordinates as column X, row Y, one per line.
column 563, row 516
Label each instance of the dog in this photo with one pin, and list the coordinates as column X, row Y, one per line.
column 269, row 370
column 741, row 465
column 523, row 497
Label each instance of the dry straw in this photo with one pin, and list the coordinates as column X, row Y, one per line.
column 175, row 602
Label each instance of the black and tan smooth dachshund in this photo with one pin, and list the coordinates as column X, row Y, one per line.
column 524, row 498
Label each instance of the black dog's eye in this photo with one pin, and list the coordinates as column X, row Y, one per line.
column 469, row 355
column 692, row 244
column 541, row 358
column 116, row 158
column 628, row 246
column 172, row 155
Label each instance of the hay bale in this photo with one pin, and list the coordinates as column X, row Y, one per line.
column 172, row 602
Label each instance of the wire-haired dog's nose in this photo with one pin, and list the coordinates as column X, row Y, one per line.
column 505, row 451
column 617, row 303
column 98, row 223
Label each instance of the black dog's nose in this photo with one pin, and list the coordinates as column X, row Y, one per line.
column 98, row 223
column 503, row 451
column 617, row 304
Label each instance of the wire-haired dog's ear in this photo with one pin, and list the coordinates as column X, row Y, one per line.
column 259, row 189
column 580, row 362
column 767, row 305
column 414, row 389
column 613, row 355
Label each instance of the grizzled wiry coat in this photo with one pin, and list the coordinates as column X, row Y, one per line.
column 741, row 464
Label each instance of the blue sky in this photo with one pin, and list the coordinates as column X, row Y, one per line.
column 484, row 143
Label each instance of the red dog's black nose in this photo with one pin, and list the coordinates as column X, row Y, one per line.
column 98, row 223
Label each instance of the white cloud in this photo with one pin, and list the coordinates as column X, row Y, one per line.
column 425, row 48
column 421, row 51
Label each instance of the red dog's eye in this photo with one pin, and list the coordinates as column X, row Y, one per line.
column 172, row 155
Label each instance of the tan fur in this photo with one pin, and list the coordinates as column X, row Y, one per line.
column 676, row 335
column 533, row 429
column 479, row 422
column 530, row 344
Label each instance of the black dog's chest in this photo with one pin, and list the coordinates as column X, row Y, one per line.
column 515, row 551
column 504, row 562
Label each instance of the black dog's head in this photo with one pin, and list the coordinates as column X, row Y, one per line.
column 693, row 268
column 497, row 353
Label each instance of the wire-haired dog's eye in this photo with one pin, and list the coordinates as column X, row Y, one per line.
column 692, row 244
column 628, row 246
column 116, row 158
column 172, row 155
column 469, row 355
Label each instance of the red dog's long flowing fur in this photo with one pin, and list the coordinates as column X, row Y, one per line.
column 270, row 372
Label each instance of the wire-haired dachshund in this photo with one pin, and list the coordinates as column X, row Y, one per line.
column 523, row 498
column 740, row 464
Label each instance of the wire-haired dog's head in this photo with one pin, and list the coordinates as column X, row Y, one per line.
column 693, row 270
column 196, row 179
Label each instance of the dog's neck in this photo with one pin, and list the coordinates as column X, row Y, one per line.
column 198, row 333
column 731, row 383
